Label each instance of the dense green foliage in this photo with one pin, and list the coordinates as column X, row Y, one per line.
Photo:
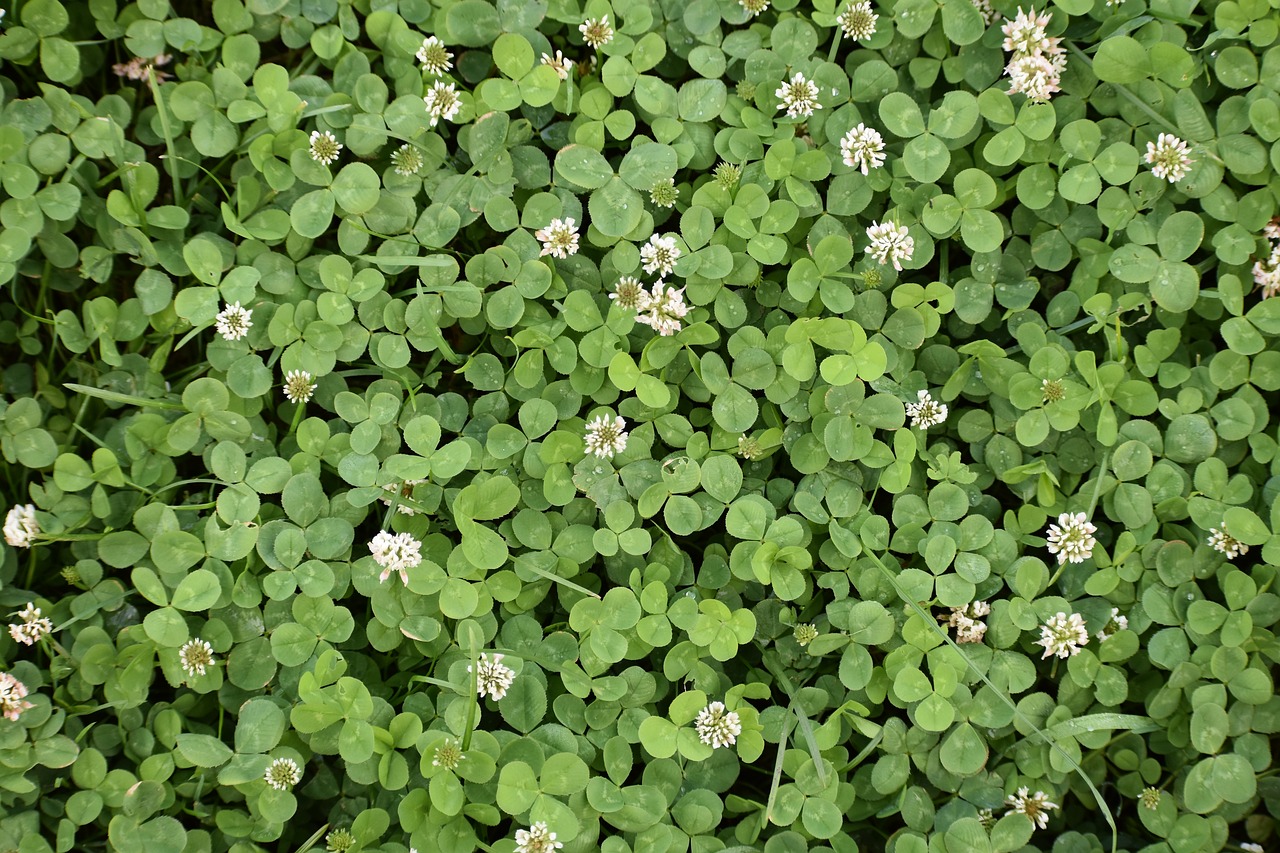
column 314, row 349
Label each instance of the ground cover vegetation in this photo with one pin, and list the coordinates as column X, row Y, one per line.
column 676, row 426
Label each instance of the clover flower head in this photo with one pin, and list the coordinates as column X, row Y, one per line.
column 857, row 20
column 13, row 695
column 984, row 9
column 563, row 67
column 799, row 97
column 136, row 68
column 665, row 309
column 1169, row 158
column 1072, row 538
column 1117, row 623
column 1224, row 543
column 664, row 193
column 340, row 840
column 968, row 622
column 448, row 755
column 1025, row 32
column 493, row 676
column 324, row 147
column 299, row 386
column 596, row 33
column 1272, row 229
column 749, row 448
column 718, row 727
column 804, row 634
column 395, row 552
column 33, row 627
column 1052, row 390
column 1035, row 806
column 1150, row 798
column 559, row 239
column 1266, row 274
column 629, row 293
column 442, row 102
column 606, row 436
column 1063, row 635
column 20, row 526
column 926, row 411
column 659, row 255
column 433, row 56
column 1035, row 76
column 406, row 160
column 727, row 175
column 537, row 839
column 862, row 148
column 754, row 7
column 283, row 774
column 196, row 656
column 890, row 243
column 987, row 818
column 233, row 322
column 406, row 491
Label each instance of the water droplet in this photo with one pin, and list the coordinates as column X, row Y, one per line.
column 624, row 207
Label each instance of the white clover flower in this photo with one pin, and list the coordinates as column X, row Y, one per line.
column 559, row 239
column 33, row 626
column 984, row 9
column 1150, row 798
column 1035, row 76
column 1025, row 33
column 493, row 676
column 890, row 243
column 926, row 411
column 754, row 7
column 1037, row 61
column 1266, row 274
column 434, row 57
column 20, row 526
column 596, row 33
column 299, row 386
column 325, row 147
column 1250, row 847
column 629, row 293
column 606, row 436
column 659, row 255
column 862, row 148
column 857, row 20
column 1224, row 543
column 1272, row 229
column 233, row 322
column 442, row 102
column 799, row 97
column 196, row 656
column 968, row 622
column 13, row 695
column 406, row 160
column 1169, row 158
column 536, row 839
column 987, row 818
column 664, row 193
column 716, row 728
column 749, row 448
column 1063, row 635
column 1115, row 625
column 136, row 68
column 448, row 755
column 805, row 634
column 1036, row 806
column 406, row 491
column 395, row 552
column 664, row 309
column 563, row 67
column 283, row 774
column 1072, row 538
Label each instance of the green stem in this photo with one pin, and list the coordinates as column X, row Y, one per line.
column 171, row 159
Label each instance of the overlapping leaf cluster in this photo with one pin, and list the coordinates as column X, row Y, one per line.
column 776, row 533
